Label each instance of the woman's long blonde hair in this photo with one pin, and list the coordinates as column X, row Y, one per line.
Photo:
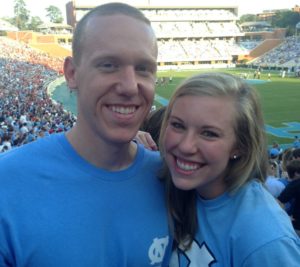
column 250, row 141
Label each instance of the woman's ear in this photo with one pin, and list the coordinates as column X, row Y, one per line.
column 69, row 71
column 235, row 154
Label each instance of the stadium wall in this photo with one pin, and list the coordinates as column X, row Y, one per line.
column 52, row 49
column 265, row 47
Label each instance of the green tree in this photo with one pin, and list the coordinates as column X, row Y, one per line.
column 286, row 19
column 22, row 14
column 54, row 14
column 34, row 23
column 248, row 18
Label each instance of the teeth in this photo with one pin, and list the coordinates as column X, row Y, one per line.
column 187, row 166
column 123, row 110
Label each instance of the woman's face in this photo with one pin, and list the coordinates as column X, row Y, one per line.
column 199, row 142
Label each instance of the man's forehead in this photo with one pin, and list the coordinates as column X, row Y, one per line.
column 119, row 26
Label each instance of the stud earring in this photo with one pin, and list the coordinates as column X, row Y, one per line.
column 234, row 156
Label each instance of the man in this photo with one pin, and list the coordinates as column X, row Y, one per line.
column 272, row 183
column 296, row 143
column 292, row 193
column 91, row 197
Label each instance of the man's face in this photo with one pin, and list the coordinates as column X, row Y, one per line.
column 115, row 77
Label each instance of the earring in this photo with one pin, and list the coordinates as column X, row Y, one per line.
column 234, row 156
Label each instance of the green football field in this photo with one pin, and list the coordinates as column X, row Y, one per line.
column 280, row 100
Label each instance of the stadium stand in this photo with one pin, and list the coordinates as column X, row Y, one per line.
column 287, row 54
column 196, row 37
column 188, row 36
column 26, row 110
column 260, row 37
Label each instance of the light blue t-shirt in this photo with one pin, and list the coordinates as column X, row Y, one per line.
column 57, row 210
column 247, row 229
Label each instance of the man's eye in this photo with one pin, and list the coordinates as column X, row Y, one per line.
column 144, row 69
column 107, row 66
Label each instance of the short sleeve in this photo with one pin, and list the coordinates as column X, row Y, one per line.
column 278, row 253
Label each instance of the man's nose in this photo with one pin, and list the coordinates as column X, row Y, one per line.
column 128, row 81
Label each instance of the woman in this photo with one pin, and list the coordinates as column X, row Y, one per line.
column 213, row 142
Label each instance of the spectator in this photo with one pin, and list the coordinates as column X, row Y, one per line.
column 91, row 197
column 272, row 183
column 213, row 142
column 152, row 125
column 296, row 153
column 296, row 143
column 292, row 192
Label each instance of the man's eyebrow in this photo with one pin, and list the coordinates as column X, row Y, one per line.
column 105, row 57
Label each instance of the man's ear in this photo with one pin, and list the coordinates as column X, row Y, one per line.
column 69, row 71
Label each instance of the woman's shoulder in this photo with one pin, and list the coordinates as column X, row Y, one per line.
column 259, row 218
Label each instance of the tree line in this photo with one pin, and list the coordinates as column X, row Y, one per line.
column 281, row 19
column 24, row 21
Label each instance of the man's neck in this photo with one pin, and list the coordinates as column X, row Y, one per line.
column 111, row 157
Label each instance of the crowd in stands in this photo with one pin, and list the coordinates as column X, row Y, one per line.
column 286, row 54
column 187, row 14
column 283, row 180
column 26, row 110
column 198, row 50
column 190, row 29
column 249, row 44
column 209, row 36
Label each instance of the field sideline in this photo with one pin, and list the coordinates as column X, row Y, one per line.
column 280, row 99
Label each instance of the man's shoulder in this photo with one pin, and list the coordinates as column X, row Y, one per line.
column 150, row 155
column 294, row 184
column 150, row 162
column 28, row 152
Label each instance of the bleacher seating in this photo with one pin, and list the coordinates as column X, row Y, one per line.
column 196, row 35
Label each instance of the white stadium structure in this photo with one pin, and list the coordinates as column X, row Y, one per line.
column 189, row 36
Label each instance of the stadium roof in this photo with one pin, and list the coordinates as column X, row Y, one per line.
column 256, row 23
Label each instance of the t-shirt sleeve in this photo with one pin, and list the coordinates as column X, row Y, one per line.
column 281, row 252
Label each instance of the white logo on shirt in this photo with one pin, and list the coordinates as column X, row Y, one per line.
column 157, row 249
column 196, row 256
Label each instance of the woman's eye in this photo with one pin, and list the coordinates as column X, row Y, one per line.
column 209, row 134
column 176, row 125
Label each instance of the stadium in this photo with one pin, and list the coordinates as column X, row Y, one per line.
column 191, row 39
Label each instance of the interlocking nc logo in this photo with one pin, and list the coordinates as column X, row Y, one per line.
column 157, row 250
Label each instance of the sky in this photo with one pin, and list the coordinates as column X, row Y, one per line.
column 37, row 7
